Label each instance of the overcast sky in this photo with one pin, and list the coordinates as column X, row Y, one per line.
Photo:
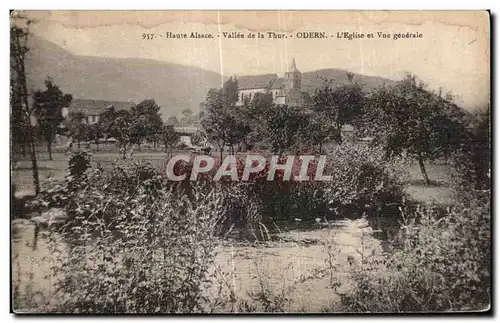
column 453, row 52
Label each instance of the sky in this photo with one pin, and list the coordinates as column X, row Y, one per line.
column 453, row 53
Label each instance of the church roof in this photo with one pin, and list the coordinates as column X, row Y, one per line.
column 277, row 84
column 264, row 81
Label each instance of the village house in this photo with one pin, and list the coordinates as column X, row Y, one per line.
column 91, row 109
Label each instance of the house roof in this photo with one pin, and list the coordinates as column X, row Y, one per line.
column 96, row 107
column 249, row 82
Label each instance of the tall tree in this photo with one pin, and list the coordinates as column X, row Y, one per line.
column 341, row 105
column 286, row 127
column 187, row 115
column 320, row 131
column 252, row 114
column 407, row 118
column 169, row 138
column 147, row 122
column 472, row 162
column 77, row 127
column 222, row 120
column 95, row 133
column 48, row 105
column 21, row 111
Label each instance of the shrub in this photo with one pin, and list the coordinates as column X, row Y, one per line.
column 363, row 178
column 443, row 264
column 471, row 164
column 135, row 249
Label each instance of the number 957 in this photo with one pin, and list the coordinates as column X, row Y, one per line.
column 148, row 36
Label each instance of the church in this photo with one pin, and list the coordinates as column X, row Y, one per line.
column 285, row 90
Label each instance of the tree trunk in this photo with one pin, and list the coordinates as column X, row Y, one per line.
column 422, row 169
column 221, row 149
column 34, row 164
column 97, row 145
column 78, row 143
column 49, row 149
column 339, row 134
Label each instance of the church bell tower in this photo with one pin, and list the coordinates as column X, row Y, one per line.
column 293, row 77
column 293, row 80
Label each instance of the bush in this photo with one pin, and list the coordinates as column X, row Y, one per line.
column 363, row 179
column 134, row 246
column 443, row 264
column 471, row 164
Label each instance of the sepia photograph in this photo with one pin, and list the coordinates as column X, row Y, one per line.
column 250, row 161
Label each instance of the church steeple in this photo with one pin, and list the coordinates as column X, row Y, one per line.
column 293, row 84
column 293, row 67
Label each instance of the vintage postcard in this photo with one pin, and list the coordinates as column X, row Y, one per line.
column 250, row 161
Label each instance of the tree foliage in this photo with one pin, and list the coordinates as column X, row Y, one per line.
column 222, row 120
column 169, row 137
column 48, row 105
column 409, row 119
column 146, row 122
column 340, row 105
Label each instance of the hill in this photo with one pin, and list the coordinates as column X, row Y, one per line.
column 313, row 80
column 173, row 86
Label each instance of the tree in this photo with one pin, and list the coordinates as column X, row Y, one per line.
column 214, row 120
column 118, row 125
column 320, row 131
column 121, row 128
column 341, row 105
column 77, row 127
column 472, row 162
column 21, row 111
column 146, row 122
column 407, row 118
column 48, row 107
column 254, row 113
column 172, row 120
column 187, row 115
column 170, row 137
column 95, row 133
column 286, row 127
column 222, row 119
